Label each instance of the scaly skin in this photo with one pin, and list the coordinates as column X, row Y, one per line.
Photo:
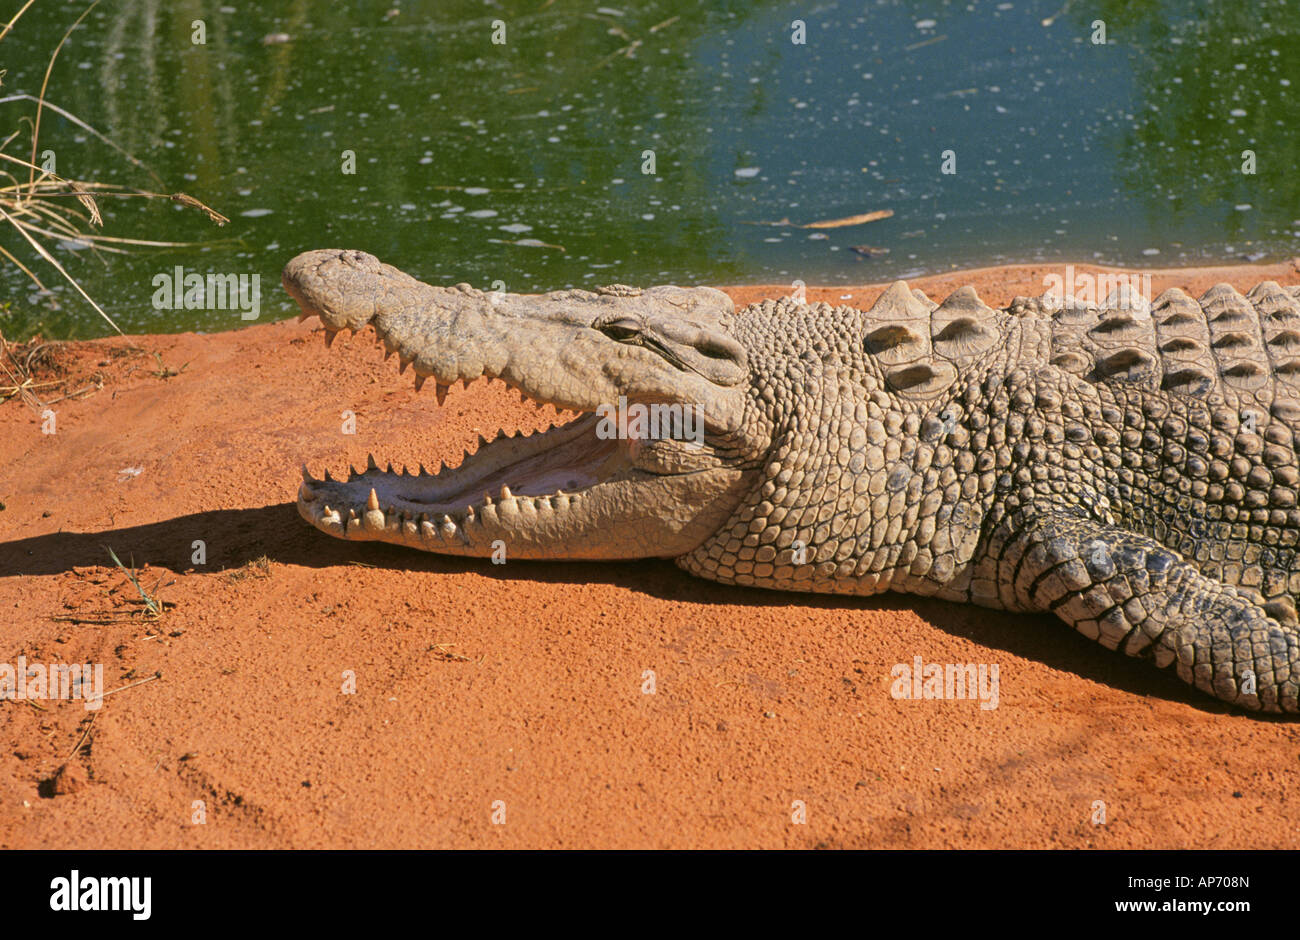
column 1132, row 469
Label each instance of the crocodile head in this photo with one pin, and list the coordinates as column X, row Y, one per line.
column 658, row 457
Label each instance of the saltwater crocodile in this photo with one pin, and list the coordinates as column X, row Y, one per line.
column 1131, row 467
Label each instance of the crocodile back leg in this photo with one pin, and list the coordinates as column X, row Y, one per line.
column 1130, row 593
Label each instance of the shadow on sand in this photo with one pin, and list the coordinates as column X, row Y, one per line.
column 233, row 537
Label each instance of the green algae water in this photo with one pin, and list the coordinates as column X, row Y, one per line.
column 542, row 145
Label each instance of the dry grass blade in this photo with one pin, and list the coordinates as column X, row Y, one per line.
column 193, row 203
column 88, row 201
column 40, row 250
column 10, row 24
column 127, row 156
column 33, row 208
column 22, row 267
column 40, row 104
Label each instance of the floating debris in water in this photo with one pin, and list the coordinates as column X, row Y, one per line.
column 528, row 243
column 833, row 223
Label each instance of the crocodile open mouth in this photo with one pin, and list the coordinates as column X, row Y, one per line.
column 512, row 481
column 606, row 484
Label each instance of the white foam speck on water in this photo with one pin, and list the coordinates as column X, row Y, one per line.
column 1242, row 207
column 926, row 24
column 516, row 228
column 481, row 213
column 255, row 213
column 475, row 191
column 747, row 172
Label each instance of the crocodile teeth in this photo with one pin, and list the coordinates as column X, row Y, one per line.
column 372, row 503
column 505, row 492
column 370, row 463
column 329, row 338
column 441, row 392
column 419, row 381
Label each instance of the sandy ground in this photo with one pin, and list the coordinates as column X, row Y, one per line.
column 516, row 691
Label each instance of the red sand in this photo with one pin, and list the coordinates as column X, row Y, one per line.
column 523, row 684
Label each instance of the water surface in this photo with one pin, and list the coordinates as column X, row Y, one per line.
column 524, row 162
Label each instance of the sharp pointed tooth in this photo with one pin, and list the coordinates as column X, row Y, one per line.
column 464, row 383
column 505, row 492
column 469, row 513
column 372, row 503
column 390, row 467
column 352, row 514
column 423, row 472
column 329, row 339
column 405, row 362
column 328, row 478
column 420, row 380
column 441, row 392
column 307, row 477
column 487, row 499
column 370, row 463
column 481, row 441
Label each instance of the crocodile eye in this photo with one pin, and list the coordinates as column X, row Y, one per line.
column 620, row 330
